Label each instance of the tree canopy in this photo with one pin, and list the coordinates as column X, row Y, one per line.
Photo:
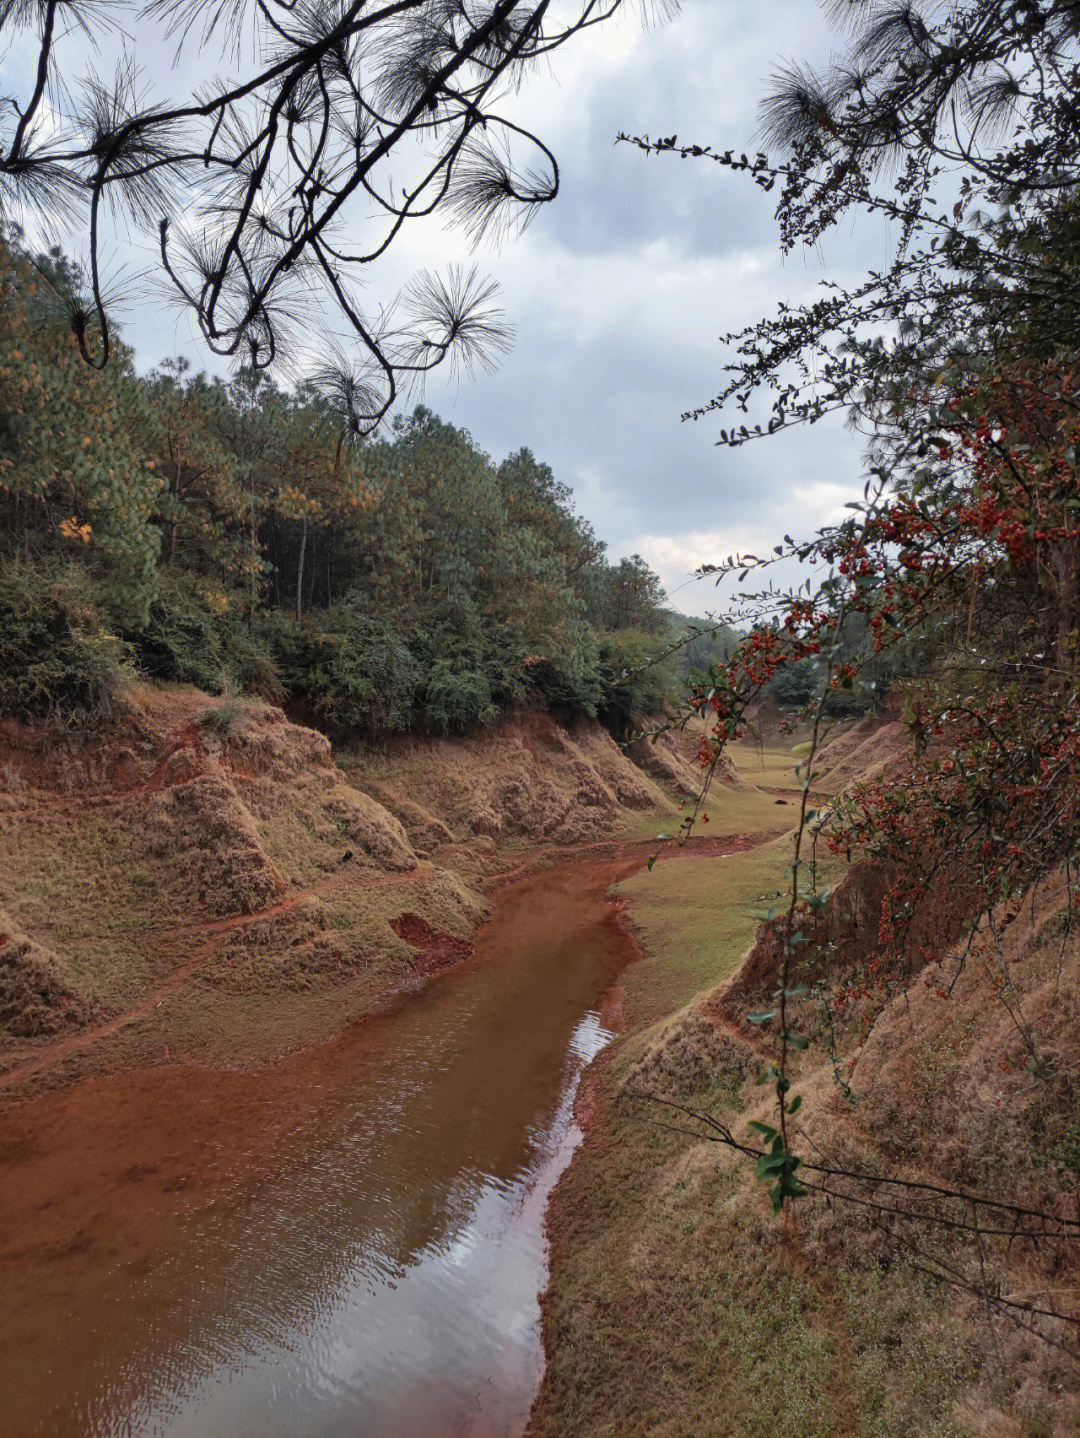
column 958, row 123
column 224, row 533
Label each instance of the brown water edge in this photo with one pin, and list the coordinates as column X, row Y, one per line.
column 349, row 1241
column 126, row 1041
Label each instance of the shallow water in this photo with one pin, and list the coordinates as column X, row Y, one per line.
column 349, row 1242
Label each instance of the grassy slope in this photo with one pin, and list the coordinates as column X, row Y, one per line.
column 695, row 915
column 678, row 1307
column 103, row 867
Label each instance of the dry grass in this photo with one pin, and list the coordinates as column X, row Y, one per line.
column 215, row 841
column 525, row 780
column 131, row 859
column 679, row 1306
column 78, row 884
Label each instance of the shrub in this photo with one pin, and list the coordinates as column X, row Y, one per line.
column 567, row 681
column 457, row 698
column 470, row 673
column 196, row 634
column 223, row 719
column 798, row 685
column 250, row 662
column 181, row 639
column 355, row 670
column 56, row 658
column 636, row 678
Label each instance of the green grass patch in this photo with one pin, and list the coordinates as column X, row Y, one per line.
column 768, row 766
column 694, row 916
column 766, row 804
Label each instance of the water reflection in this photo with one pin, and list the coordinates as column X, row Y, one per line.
column 371, row 1265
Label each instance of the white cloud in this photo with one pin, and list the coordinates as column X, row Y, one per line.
column 675, row 557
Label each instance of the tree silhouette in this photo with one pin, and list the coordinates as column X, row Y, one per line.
column 959, row 123
column 268, row 191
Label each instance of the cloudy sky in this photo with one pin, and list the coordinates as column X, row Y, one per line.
column 618, row 291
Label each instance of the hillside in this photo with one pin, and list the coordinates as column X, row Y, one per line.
column 202, row 878
column 680, row 1305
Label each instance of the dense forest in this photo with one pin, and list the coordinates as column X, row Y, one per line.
column 227, row 534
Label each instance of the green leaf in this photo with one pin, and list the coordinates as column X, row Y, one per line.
column 766, row 1130
column 795, row 1040
column 770, row 1164
column 796, row 1104
column 762, row 1017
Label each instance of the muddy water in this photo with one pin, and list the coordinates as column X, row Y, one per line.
column 349, row 1242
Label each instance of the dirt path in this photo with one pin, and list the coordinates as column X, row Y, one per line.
column 699, row 846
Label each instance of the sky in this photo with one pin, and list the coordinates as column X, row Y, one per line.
column 619, row 291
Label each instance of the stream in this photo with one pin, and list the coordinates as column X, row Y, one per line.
column 349, row 1241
